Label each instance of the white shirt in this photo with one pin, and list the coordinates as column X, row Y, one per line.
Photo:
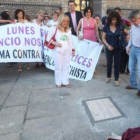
column 53, row 23
column 135, row 36
column 58, row 39
column 35, row 21
column 73, row 16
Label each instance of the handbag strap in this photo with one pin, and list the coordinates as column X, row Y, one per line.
column 55, row 33
column 53, row 36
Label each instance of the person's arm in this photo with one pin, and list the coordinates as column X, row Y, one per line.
column 97, row 32
column 78, row 29
column 51, row 32
column 5, row 21
column 105, row 42
column 71, row 43
column 127, row 35
column 128, row 48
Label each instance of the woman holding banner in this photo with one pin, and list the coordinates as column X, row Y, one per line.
column 88, row 28
column 62, row 51
column 19, row 18
column 39, row 21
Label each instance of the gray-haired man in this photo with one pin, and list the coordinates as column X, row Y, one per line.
column 133, row 49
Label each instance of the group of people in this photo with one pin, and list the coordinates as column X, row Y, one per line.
column 106, row 31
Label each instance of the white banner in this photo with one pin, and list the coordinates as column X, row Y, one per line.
column 20, row 43
column 82, row 66
column 25, row 43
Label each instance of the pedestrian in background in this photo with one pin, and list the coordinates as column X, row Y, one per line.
column 74, row 16
column 54, row 20
column 39, row 21
column 59, row 11
column 124, row 56
column 20, row 18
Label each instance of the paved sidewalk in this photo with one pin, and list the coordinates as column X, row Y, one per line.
column 32, row 108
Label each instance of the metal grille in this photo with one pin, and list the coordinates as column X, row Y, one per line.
column 30, row 8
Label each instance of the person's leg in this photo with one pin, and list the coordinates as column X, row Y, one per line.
column 27, row 66
column 132, row 67
column 138, row 65
column 65, row 71
column 36, row 65
column 123, row 62
column 117, row 56
column 109, row 56
column 20, row 67
column 128, row 72
column 58, row 60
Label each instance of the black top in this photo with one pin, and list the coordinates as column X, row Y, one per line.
column 113, row 38
column 78, row 17
column 104, row 20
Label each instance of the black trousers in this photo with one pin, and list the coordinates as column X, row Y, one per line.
column 110, row 55
column 124, row 61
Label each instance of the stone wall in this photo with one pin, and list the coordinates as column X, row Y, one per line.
column 125, row 5
column 31, row 7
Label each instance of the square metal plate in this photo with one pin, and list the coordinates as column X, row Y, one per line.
column 102, row 109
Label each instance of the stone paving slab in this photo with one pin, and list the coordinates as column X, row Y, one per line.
column 48, row 128
column 11, row 136
column 32, row 108
column 11, row 119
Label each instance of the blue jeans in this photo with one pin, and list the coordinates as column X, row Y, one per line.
column 134, row 64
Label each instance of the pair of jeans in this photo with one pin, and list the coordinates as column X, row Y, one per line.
column 116, row 54
column 134, row 66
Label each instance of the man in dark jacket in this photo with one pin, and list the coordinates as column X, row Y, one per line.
column 74, row 16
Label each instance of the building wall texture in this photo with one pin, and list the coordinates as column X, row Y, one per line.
column 32, row 6
column 126, row 5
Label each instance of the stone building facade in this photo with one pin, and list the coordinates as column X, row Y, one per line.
column 31, row 7
column 99, row 6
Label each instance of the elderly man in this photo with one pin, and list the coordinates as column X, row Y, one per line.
column 133, row 49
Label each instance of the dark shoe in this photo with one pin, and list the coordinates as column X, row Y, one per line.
column 67, row 86
column 42, row 65
column 36, row 66
column 128, row 73
column 138, row 93
column 121, row 72
column 129, row 87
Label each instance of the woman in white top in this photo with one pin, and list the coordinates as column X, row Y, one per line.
column 19, row 18
column 39, row 21
column 63, row 50
column 54, row 21
column 40, row 18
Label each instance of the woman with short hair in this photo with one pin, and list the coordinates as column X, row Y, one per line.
column 54, row 21
column 20, row 18
column 39, row 21
column 62, row 51
column 89, row 27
